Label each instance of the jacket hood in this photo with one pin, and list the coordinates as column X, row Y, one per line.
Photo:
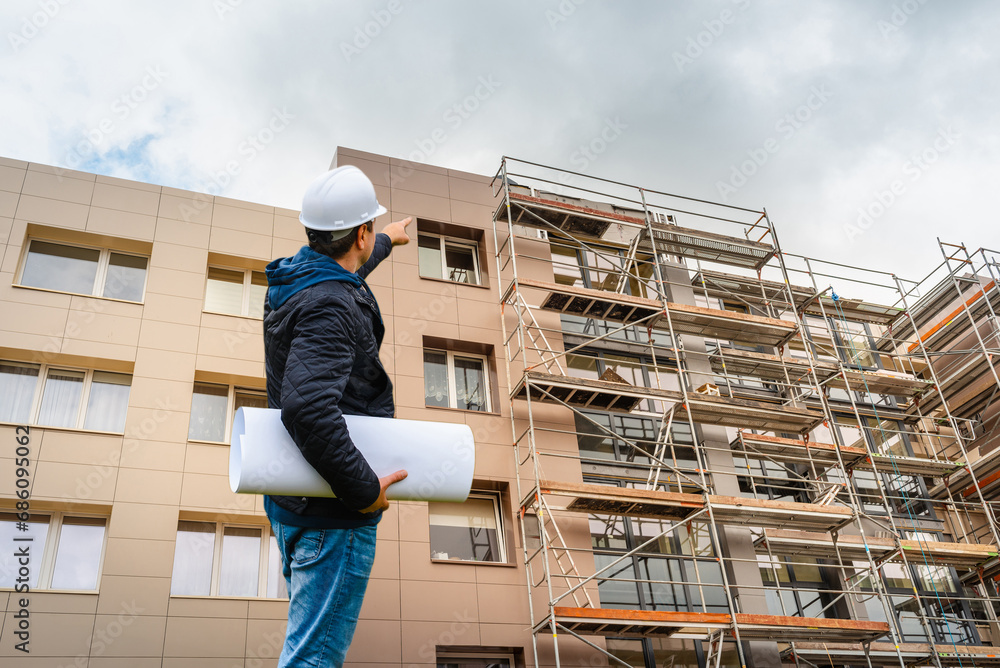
column 288, row 275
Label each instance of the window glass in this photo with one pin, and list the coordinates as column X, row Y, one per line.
column 470, row 384
column 38, row 529
column 61, row 398
column 466, row 531
column 436, row 391
column 17, row 391
column 108, row 401
column 429, row 256
column 60, row 267
column 238, row 571
column 78, row 556
column 460, row 263
column 250, row 400
column 193, row 555
column 277, row 587
column 208, row 412
column 566, row 266
column 126, row 277
column 258, row 291
column 224, row 291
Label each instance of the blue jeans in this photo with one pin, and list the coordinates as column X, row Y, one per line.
column 327, row 573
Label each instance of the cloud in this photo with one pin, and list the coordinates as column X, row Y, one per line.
column 382, row 76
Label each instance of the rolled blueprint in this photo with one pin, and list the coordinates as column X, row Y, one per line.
column 439, row 457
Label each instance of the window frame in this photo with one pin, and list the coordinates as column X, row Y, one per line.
column 245, row 296
column 443, row 241
column 100, row 276
column 471, row 655
column 262, row 561
column 453, row 384
column 496, row 498
column 46, row 564
column 232, row 391
column 81, row 409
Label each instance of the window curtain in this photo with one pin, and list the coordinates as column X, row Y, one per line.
column 240, row 562
column 61, row 398
column 108, row 402
column 17, row 390
column 78, row 557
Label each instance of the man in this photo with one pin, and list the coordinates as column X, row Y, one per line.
column 322, row 333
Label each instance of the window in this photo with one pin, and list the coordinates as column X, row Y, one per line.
column 455, row 380
column 65, row 551
column 470, row 531
column 448, row 259
column 216, row 559
column 74, row 398
column 465, row 660
column 235, row 292
column 99, row 272
column 210, row 414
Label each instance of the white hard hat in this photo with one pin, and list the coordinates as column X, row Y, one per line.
column 340, row 200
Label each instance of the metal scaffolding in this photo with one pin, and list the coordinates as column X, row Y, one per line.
column 742, row 427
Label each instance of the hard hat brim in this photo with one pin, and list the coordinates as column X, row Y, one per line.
column 343, row 231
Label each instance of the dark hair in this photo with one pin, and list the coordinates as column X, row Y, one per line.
column 335, row 249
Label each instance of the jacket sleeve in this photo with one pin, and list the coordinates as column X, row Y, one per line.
column 383, row 246
column 317, row 370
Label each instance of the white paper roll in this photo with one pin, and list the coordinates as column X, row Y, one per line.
column 439, row 457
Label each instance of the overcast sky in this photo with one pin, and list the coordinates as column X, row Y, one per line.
column 819, row 111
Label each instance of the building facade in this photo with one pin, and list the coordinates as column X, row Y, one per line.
column 691, row 450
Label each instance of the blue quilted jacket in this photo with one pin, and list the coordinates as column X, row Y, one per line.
column 322, row 334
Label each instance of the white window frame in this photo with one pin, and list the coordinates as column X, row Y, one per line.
column 452, row 385
column 230, row 407
column 473, row 655
column 245, row 301
column 497, row 499
column 47, row 563
column 443, row 241
column 81, row 409
column 265, row 545
column 101, row 276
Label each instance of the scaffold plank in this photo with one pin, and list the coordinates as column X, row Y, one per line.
column 735, row 362
column 635, row 623
column 646, row 623
column 880, row 382
column 747, row 414
column 685, row 318
column 574, row 219
column 610, row 500
column 917, row 552
column 707, row 246
column 587, row 392
column 967, row 387
column 797, row 451
column 884, row 654
column 597, row 304
column 770, row 513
